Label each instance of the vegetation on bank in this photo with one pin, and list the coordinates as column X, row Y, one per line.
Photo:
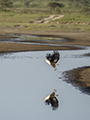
column 69, row 4
column 21, row 14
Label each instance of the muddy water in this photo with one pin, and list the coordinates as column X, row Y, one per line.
column 26, row 79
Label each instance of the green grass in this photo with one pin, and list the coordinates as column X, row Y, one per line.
column 23, row 20
column 43, row 4
column 33, row 4
column 19, row 17
column 57, row 28
column 74, row 17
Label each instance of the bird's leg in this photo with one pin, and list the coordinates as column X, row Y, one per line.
column 55, row 90
column 55, row 68
column 57, row 64
column 57, row 95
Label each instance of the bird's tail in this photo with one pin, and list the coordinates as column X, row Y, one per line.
column 55, row 90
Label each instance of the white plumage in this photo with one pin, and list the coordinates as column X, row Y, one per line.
column 52, row 59
column 51, row 99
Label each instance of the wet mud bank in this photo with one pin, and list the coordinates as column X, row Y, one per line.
column 10, row 44
column 79, row 77
column 19, row 47
column 75, row 38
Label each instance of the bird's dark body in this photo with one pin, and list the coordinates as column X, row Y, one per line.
column 53, row 58
column 53, row 101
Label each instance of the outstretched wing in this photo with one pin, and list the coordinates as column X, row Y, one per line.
column 49, row 57
column 55, row 57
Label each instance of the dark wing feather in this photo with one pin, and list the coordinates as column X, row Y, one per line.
column 54, row 102
column 49, row 57
column 55, row 57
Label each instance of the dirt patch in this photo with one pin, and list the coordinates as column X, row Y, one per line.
column 79, row 77
column 46, row 20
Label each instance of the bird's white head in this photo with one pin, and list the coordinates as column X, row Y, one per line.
column 48, row 62
column 47, row 97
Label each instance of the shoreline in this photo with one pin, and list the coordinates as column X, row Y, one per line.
column 79, row 77
column 74, row 38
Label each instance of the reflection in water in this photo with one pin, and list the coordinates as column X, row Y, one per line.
column 51, row 99
column 25, row 79
column 53, row 58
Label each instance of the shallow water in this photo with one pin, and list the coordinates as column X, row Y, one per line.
column 28, row 39
column 26, row 79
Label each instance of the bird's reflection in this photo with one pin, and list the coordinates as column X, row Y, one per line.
column 53, row 58
column 51, row 99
